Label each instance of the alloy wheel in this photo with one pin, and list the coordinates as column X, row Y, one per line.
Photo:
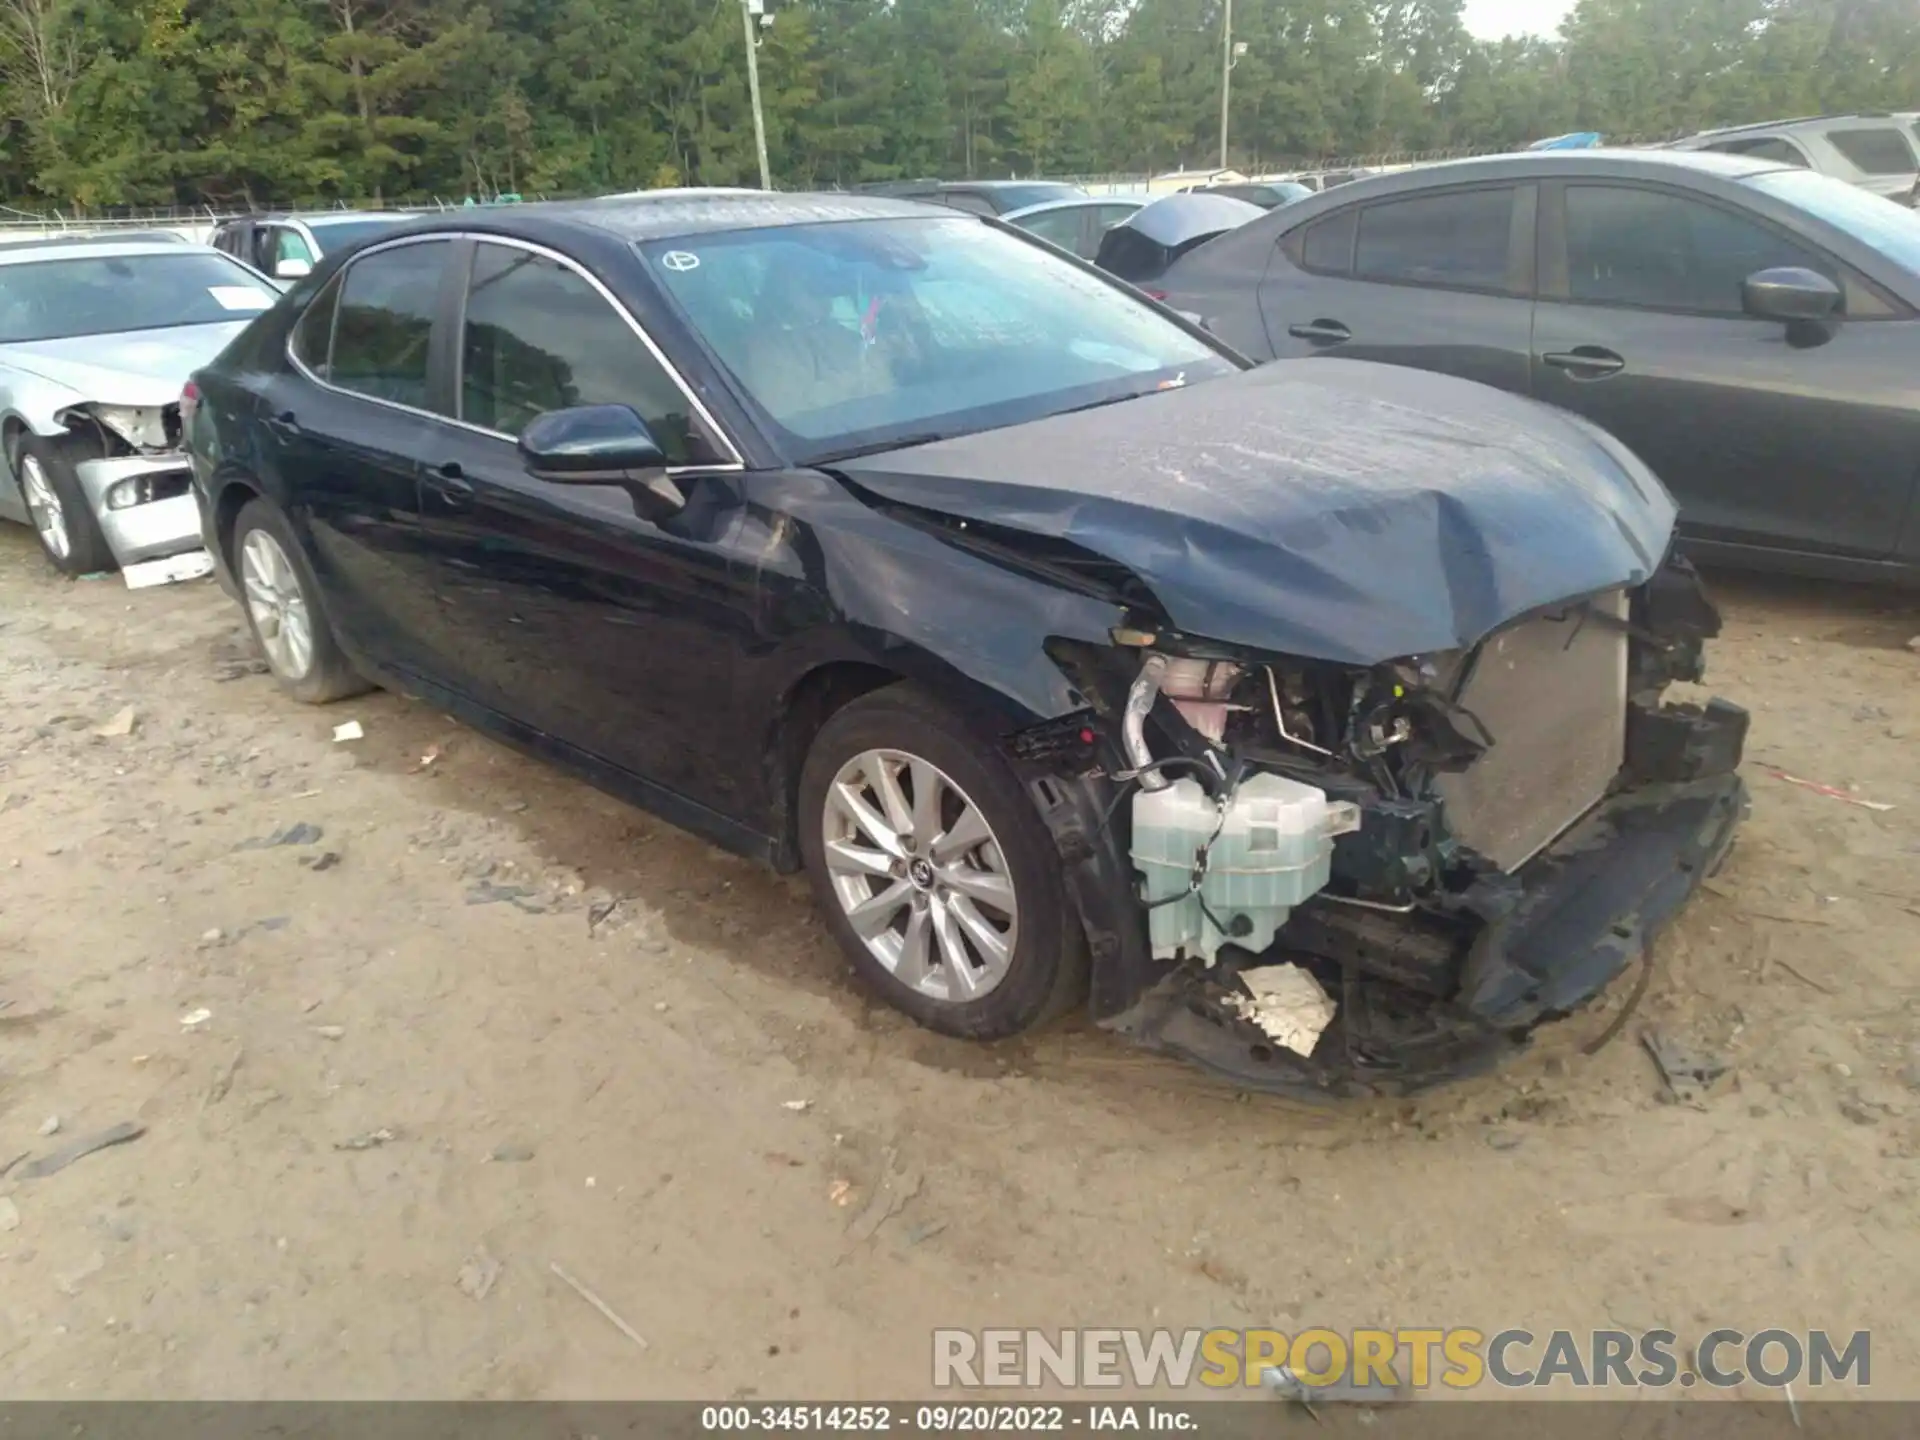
column 43, row 505
column 920, row 876
column 277, row 605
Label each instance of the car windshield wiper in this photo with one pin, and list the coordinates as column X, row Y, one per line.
column 878, row 447
column 1180, row 383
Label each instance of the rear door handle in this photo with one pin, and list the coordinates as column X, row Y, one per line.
column 450, row 483
column 1322, row 332
column 1586, row 362
column 286, row 425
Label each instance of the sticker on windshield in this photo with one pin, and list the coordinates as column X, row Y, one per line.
column 679, row 261
column 239, row 297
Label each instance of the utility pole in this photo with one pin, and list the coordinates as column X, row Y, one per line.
column 1226, row 75
column 749, row 10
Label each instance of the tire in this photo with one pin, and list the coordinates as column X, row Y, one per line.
column 58, row 509
column 278, row 594
column 992, row 992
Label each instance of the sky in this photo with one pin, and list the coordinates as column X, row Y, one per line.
column 1492, row 19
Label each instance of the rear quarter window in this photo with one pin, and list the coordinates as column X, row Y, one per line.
column 1326, row 246
column 1882, row 150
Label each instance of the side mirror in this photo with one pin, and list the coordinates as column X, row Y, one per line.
column 1791, row 294
column 601, row 445
column 291, row 269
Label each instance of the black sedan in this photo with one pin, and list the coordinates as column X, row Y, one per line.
column 1751, row 331
column 1070, row 656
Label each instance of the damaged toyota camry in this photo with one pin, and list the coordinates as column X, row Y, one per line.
column 96, row 337
column 1308, row 722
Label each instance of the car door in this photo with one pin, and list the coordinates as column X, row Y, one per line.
column 1763, row 436
column 344, row 429
column 1437, row 280
column 288, row 245
column 575, row 616
column 1067, row 226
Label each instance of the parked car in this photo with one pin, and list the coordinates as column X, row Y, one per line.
column 1140, row 248
column 96, row 339
column 287, row 247
column 1268, row 195
column 1750, row 331
column 904, row 550
column 123, row 237
column 1875, row 152
column 1076, row 226
column 978, row 197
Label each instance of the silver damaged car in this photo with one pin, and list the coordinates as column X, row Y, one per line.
column 96, row 343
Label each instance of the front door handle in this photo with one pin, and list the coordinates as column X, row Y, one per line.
column 449, row 482
column 1321, row 332
column 1586, row 362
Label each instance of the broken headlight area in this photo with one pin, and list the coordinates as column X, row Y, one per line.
column 145, row 489
column 1353, row 880
column 126, row 429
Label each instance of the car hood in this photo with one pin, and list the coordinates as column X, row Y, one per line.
column 142, row 367
column 1336, row 510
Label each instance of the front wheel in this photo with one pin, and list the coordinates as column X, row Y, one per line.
column 934, row 870
column 57, row 505
column 282, row 602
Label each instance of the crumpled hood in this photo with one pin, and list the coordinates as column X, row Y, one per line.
column 142, row 367
column 1336, row 510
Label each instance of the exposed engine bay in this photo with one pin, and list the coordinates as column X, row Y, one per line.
column 1345, row 880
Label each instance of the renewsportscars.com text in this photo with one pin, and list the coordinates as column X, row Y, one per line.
column 1457, row 1359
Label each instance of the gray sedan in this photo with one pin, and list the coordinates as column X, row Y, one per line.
column 96, row 343
column 1750, row 330
column 1077, row 226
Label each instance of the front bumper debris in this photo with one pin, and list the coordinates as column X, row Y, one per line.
column 152, row 529
column 1589, row 906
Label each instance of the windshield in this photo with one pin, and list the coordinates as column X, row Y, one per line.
column 852, row 335
column 1888, row 227
column 112, row 294
column 337, row 235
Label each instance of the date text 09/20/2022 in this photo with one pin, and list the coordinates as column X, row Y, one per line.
column 960, row 1419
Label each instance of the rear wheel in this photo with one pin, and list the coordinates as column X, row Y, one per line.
column 282, row 602
column 934, row 870
column 57, row 507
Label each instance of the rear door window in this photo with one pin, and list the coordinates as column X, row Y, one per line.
column 383, row 333
column 1326, row 246
column 1460, row 239
column 1882, row 150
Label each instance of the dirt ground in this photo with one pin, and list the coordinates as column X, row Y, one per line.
column 421, row 1059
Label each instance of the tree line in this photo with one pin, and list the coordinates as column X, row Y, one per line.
column 108, row 103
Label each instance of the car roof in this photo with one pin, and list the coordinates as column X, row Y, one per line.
column 107, row 249
column 319, row 217
column 344, row 217
column 1005, row 184
column 1796, row 122
column 70, row 242
column 665, row 215
column 1076, row 202
column 1543, row 165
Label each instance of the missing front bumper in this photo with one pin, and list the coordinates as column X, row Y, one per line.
column 1587, row 908
column 151, row 529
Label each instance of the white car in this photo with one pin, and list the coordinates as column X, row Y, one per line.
column 287, row 247
column 96, row 342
